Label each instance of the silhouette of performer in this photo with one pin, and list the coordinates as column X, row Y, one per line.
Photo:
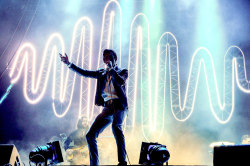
column 111, row 94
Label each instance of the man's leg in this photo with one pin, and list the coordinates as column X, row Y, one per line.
column 119, row 116
column 99, row 124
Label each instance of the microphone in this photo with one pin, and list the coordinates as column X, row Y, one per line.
column 110, row 64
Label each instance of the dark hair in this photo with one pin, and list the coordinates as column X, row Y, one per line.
column 111, row 52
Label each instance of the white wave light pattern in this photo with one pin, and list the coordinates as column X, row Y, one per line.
column 234, row 63
column 142, row 94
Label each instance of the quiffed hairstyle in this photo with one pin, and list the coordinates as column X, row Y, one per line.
column 111, row 52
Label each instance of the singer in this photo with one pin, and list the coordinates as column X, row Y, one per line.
column 111, row 94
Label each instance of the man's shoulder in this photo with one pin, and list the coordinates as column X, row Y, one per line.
column 121, row 69
column 124, row 70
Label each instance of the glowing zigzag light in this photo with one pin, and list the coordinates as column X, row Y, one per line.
column 140, row 77
column 81, row 47
column 140, row 69
column 66, row 84
column 234, row 62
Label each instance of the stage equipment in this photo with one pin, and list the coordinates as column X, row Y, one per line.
column 50, row 153
column 153, row 154
column 9, row 155
column 231, row 155
column 220, row 143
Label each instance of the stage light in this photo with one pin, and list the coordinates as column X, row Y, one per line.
column 49, row 153
column 153, row 154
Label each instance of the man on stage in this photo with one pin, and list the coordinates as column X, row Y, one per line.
column 111, row 94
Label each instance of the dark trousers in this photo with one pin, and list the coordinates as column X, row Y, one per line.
column 111, row 113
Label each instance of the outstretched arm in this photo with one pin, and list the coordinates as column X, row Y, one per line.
column 86, row 73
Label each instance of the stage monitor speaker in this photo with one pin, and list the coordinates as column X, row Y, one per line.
column 9, row 155
column 232, row 155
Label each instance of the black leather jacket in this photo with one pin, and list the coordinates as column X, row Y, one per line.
column 119, row 78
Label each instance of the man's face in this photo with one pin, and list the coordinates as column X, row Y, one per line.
column 106, row 58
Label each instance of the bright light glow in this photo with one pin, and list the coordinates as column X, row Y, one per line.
column 66, row 80
column 27, row 52
column 222, row 110
column 110, row 17
column 139, row 66
column 140, row 79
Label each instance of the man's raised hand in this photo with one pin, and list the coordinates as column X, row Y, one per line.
column 64, row 59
